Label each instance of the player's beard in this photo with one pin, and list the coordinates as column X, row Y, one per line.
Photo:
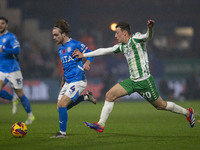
column 2, row 31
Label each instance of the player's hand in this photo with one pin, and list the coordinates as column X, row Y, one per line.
column 62, row 82
column 1, row 50
column 77, row 54
column 86, row 67
column 150, row 23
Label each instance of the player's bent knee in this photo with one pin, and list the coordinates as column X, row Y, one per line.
column 60, row 104
column 110, row 97
column 160, row 107
column 19, row 92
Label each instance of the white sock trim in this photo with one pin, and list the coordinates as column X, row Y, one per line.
column 30, row 114
column 63, row 132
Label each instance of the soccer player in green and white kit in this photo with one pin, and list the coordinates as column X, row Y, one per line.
column 140, row 80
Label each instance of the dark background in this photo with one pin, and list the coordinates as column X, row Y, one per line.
column 174, row 51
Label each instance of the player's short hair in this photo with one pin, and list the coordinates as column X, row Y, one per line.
column 5, row 19
column 63, row 26
column 124, row 26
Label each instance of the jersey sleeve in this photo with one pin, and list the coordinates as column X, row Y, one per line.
column 13, row 46
column 14, row 42
column 102, row 51
column 138, row 37
column 118, row 48
column 84, row 49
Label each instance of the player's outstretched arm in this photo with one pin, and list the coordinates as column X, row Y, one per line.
column 97, row 52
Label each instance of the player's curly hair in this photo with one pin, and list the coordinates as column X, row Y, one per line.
column 5, row 19
column 124, row 26
column 63, row 26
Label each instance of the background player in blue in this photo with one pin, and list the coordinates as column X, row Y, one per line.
column 74, row 79
column 10, row 69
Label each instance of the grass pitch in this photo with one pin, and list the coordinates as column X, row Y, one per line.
column 131, row 125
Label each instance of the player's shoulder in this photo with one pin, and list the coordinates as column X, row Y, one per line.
column 10, row 34
column 73, row 41
column 136, row 35
column 117, row 47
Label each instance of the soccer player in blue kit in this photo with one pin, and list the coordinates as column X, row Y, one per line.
column 74, row 79
column 10, row 69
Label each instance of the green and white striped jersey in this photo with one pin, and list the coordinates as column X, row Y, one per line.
column 135, row 53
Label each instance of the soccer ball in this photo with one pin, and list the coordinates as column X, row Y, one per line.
column 19, row 130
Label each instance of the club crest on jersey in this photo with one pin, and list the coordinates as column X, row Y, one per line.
column 127, row 53
column 4, row 40
column 69, row 49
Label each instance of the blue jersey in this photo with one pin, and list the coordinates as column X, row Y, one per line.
column 73, row 67
column 11, row 48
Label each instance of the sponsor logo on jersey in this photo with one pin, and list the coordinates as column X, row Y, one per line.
column 127, row 53
column 65, row 59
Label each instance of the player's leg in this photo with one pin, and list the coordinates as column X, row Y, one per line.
column 26, row 104
column 115, row 92
column 151, row 94
column 63, row 116
column 5, row 95
column 86, row 97
column 160, row 104
column 80, row 99
column 68, row 94
column 16, row 80
column 2, row 81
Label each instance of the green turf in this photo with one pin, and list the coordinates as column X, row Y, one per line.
column 131, row 125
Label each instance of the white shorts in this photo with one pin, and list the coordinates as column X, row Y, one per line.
column 15, row 79
column 73, row 90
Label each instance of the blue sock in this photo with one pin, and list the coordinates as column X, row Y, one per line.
column 63, row 117
column 26, row 103
column 80, row 99
column 4, row 94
